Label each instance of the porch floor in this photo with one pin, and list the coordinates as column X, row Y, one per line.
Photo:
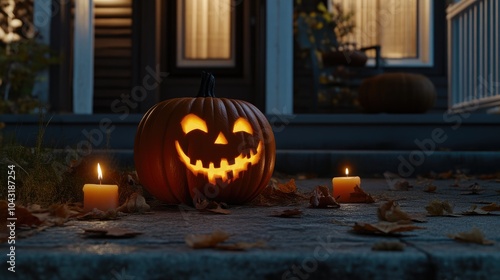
column 317, row 245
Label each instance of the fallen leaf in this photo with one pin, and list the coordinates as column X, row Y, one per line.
column 474, row 210
column 23, row 215
column 135, row 203
column 396, row 183
column 383, row 228
column 321, row 198
column 391, row 212
column 241, row 246
column 288, row 213
column 473, row 236
column 439, row 208
column 212, row 206
column 288, row 187
column 273, row 196
column 97, row 214
column 430, row 188
column 445, row 175
column 198, row 241
column 360, row 196
column 110, row 232
column 491, row 207
column 388, row 246
column 473, row 189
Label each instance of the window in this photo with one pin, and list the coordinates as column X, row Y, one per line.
column 402, row 28
column 206, row 33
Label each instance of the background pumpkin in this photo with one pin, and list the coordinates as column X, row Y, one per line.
column 397, row 93
column 162, row 136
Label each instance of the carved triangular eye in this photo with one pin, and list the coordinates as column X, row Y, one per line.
column 192, row 122
column 242, row 125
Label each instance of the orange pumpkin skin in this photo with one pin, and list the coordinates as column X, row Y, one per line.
column 164, row 144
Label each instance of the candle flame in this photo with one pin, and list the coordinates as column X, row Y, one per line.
column 99, row 172
column 347, row 172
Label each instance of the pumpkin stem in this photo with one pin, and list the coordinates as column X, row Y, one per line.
column 207, row 85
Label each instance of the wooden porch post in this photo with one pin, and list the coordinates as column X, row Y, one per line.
column 83, row 63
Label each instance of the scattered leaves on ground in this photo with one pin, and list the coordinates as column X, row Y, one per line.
column 440, row 208
column 288, row 213
column 383, row 228
column 473, row 189
column 212, row 207
column 391, row 212
column 473, row 236
column 321, row 198
column 110, row 233
column 288, row 187
column 274, row 195
column 241, row 246
column 135, row 203
column 388, row 246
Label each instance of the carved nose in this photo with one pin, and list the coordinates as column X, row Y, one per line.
column 221, row 139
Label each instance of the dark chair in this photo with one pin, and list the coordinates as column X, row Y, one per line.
column 331, row 64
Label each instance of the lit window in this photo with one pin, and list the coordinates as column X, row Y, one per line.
column 205, row 34
column 403, row 29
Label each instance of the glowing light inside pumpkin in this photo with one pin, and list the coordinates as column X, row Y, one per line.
column 226, row 172
column 242, row 125
column 221, row 139
column 192, row 122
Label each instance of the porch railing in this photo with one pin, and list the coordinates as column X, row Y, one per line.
column 473, row 61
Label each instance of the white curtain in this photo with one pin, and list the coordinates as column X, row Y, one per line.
column 389, row 23
column 207, row 29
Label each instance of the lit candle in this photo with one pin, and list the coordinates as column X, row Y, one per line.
column 344, row 186
column 102, row 197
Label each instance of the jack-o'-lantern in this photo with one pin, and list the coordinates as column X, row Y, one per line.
column 204, row 147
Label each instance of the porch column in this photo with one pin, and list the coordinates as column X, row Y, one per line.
column 279, row 57
column 83, row 62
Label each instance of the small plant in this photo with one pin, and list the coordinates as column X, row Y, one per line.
column 22, row 57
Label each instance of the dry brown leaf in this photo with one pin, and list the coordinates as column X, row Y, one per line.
column 97, row 214
column 135, row 203
column 383, row 228
column 288, row 213
column 474, row 210
column 473, row 236
column 430, row 188
column 23, row 215
column 396, row 183
column 491, row 207
column 288, row 187
column 360, row 196
column 198, row 241
column 273, row 196
column 110, row 232
column 439, row 208
column 321, row 198
column 212, row 206
column 445, row 175
column 391, row 212
column 473, row 189
column 388, row 246
column 241, row 246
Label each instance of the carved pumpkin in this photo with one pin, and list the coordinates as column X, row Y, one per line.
column 205, row 147
column 397, row 93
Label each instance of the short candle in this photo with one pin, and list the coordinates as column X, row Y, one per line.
column 344, row 186
column 102, row 197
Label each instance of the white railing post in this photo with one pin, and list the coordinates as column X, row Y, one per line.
column 83, row 57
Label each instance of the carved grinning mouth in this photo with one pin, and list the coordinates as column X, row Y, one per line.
column 226, row 172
